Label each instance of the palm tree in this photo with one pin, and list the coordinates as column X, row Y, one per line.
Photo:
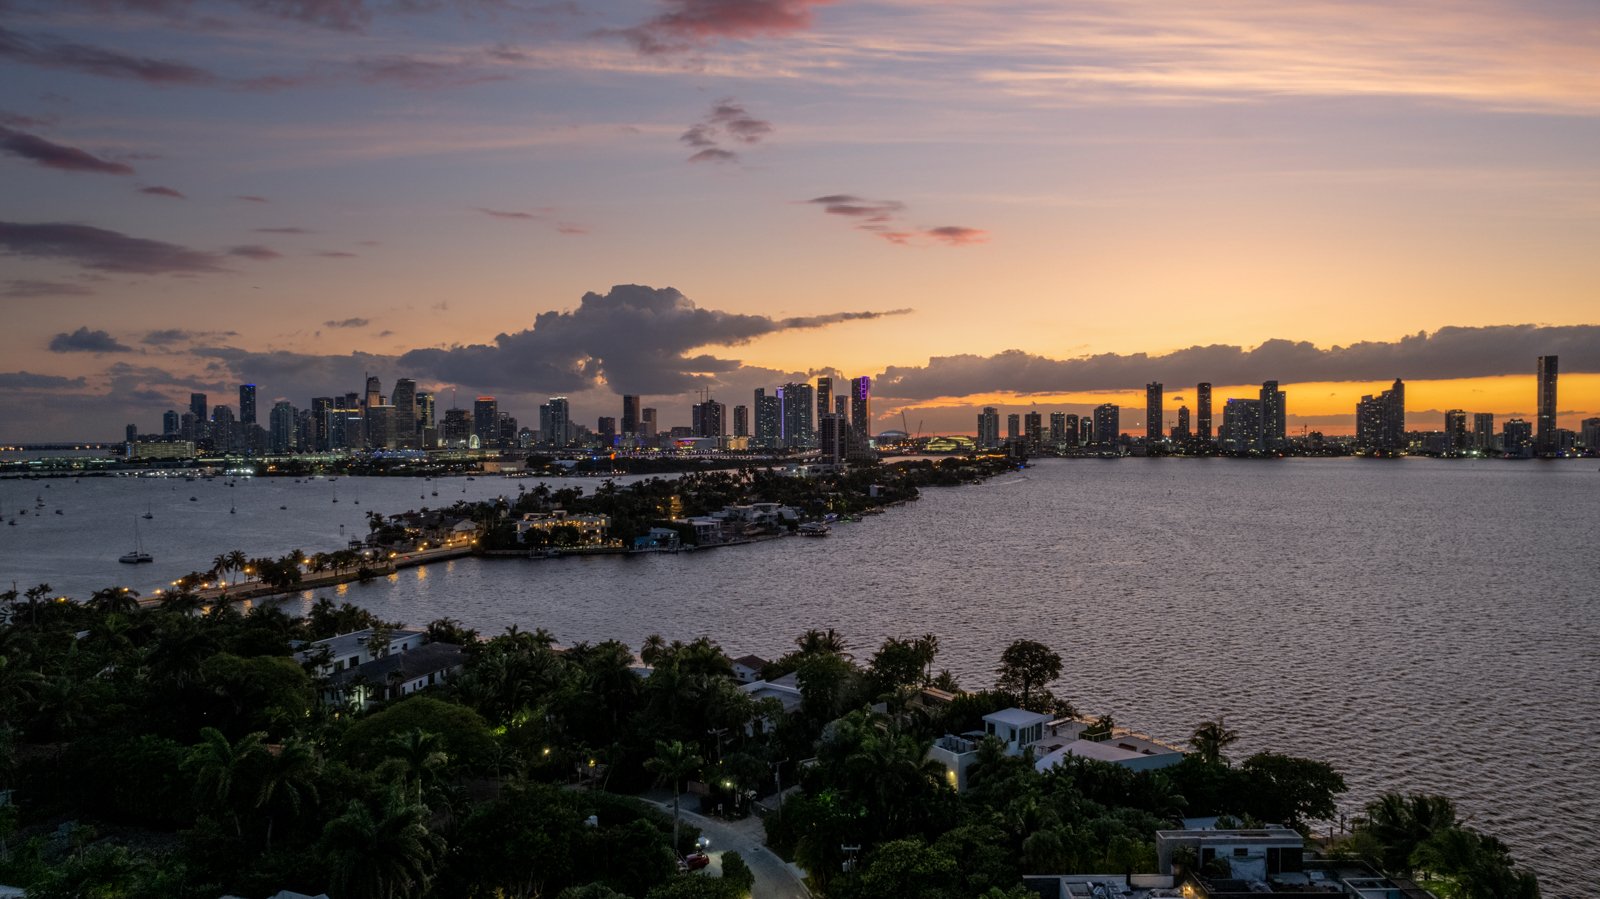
column 113, row 600
column 675, row 762
column 237, row 561
column 387, row 857
column 652, row 648
column 221, row 769
column 289, row 776
column 1210, row 738
column 1400, row 824
column 419, row 756
column 814, row 640
column 221, row 565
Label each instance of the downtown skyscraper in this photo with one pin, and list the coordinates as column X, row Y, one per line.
column 1544, row 435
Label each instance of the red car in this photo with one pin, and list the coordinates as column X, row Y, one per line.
column 696, row 861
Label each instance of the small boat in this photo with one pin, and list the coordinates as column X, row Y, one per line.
column 59, row 512
column 194, row 499
column 812, row 529
column 147, row 513
column 283, row 507
column 232, row 510
column 138, row 556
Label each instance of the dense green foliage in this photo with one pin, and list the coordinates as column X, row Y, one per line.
column 181, row 751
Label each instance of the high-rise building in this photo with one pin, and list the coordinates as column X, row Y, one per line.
column 1483, row 431
column 1155, row 417
column 824, row 398
column 1274, row 420
column 1455, row 431
column 247, row 404
column 281, row 427
column 1517, row 438
column 1033, row 429
column 486, row 421
column 607, row 429
column 988, row 428
column 1071, row 433
column 630, row 415
column 1107, row 424
column 1545, row 431
column 224, row 429
column 374, row 395
column 404, row 401
column 171, row 423
column 861, row 408
column 130, row 433
column 1381, row 420
column 321, row 423
column 1589, row 434
column 841, row 405
column 1202, row 408
column 1241, row 426
column 769, row 420
column 456, row 431
column 1058, row 428
column 647, row 423
column 1181, row 432
column 833, row 437
column 427, row 425
column 1086, row 430
column 1013, row 427
column 708, row 418
column 382, row 422
column 197, row 406
column 741, row 421
column 507, row 429
column 799, row 404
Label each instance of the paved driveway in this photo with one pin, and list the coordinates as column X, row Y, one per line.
column 774, row 878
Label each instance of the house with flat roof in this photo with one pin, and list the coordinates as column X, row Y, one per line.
column 1051, row 742
column 355, row 648
column 394, row 676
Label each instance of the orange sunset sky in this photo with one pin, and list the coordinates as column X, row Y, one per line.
column 1026, row 204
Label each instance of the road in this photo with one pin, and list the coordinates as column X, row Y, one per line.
column 774, row 878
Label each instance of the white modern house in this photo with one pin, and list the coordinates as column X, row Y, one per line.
column 1050, row 741
column 352, row 649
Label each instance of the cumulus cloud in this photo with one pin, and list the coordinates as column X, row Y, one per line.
column 102, row 250
column 727, row 120
column 347, row 323
column 84, row 340
column 684, row 24
column 49, row 52
column 1450, row 352
column 24, row 289
column 635, row 339
column 26, row 380
column 158, row 191
column 52, row 155
column 883, row 218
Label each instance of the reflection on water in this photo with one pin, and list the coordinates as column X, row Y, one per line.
column 1422, row 624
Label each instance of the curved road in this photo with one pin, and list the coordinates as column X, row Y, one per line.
column 775, row 879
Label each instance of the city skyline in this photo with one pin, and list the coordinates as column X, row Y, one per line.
column 1018, row 204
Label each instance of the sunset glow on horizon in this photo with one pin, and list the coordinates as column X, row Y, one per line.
column 1023, row 204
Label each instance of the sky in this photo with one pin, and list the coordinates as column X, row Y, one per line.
column 1023, row 203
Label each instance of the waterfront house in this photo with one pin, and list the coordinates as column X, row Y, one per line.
column 747, row 669
column 351, row 650
column 592, row 529
column 394, row 676
column 1050, row 742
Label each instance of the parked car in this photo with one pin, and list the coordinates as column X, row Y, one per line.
column 696, row 861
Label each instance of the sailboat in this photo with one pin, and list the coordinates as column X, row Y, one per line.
column 336, row 494
column 138, row 556
column 147, row 513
